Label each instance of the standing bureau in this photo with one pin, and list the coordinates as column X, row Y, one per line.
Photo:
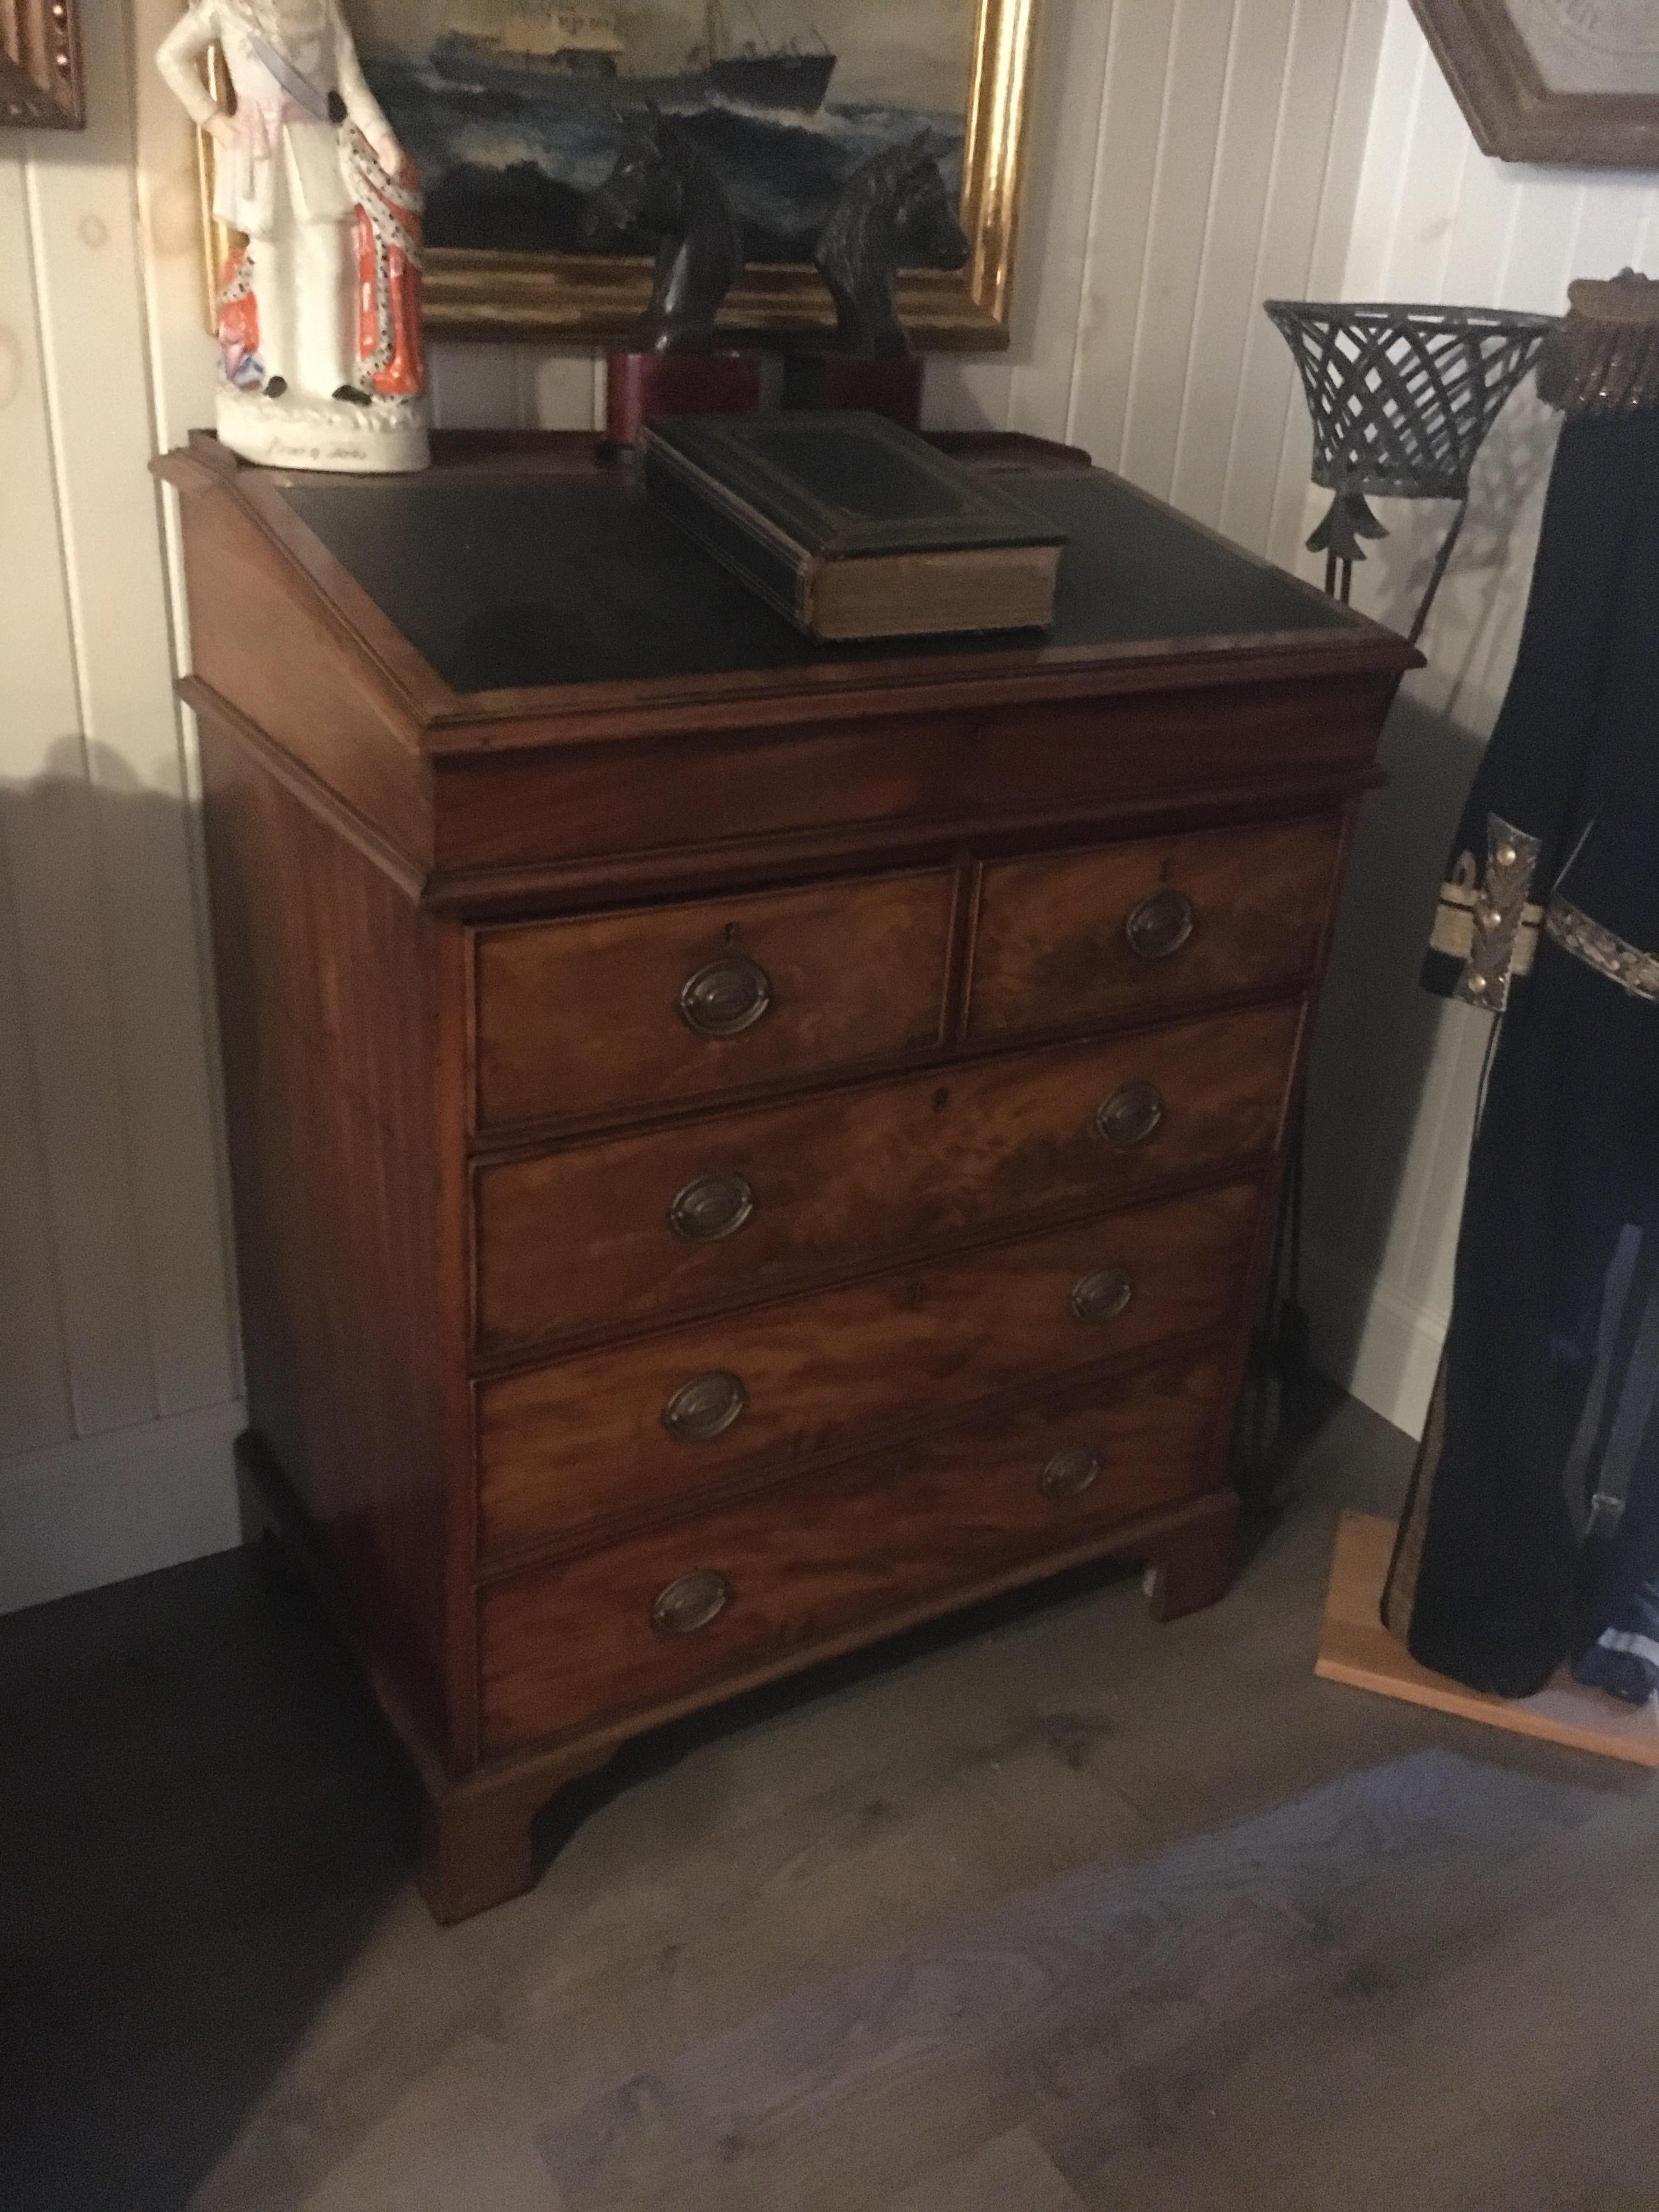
column 737, row 1144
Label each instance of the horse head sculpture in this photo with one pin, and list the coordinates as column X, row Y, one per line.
column 894, row 213
column 665, row 184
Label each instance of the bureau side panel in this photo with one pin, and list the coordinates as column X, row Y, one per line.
column 266, row 644
column 326, row 1008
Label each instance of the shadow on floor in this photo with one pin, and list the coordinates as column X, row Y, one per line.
column 202, row 1822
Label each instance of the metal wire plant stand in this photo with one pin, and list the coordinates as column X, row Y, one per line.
column 1401, row 399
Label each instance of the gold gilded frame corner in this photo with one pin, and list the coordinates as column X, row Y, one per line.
column 579, row 296
column 218, row 239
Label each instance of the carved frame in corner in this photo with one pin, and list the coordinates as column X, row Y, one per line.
column 41, row 87
column 1514, row 112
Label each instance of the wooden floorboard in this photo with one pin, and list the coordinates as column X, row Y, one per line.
column 1355, row 1648
column 1062, row 1912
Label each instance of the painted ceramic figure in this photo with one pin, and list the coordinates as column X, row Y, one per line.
column 320, row 311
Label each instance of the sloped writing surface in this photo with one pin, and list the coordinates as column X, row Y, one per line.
column 501, row 581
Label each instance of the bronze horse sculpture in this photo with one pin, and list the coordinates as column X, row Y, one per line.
column 665, row 184
column 894, row 212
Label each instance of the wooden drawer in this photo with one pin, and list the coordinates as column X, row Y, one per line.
column 745, row 1206
column 565, row 1445
column 1074, row 940
column 581, row 1019
column 792, row 1568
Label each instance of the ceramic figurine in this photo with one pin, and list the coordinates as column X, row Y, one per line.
column 320, row 311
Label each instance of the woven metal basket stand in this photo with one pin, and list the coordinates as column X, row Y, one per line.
column 1401, row 399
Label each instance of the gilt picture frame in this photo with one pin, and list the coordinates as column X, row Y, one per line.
column 1552, row 81
column 483, row 289
column 40, row 80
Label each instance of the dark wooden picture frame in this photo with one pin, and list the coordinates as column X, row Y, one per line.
column 40, row 80
column 1514, row 112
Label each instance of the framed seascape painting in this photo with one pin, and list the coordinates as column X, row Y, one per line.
column 1574, row 80
column 513, row 111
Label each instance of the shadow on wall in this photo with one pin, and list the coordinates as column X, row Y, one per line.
column 1378, row 1034
column 114, row 1266
column 1481, row 602
column 1384, row 1184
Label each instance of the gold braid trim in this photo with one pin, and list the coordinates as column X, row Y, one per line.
column 1627, row 965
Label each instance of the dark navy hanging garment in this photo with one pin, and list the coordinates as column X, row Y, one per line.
column 1532, row 1530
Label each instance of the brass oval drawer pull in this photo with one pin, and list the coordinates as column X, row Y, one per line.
column 689, row 1605
column 705, row 1407
column 1129, row 1116
column 1101, row 1296
column 1068, row 1474
column 727, row 997
column 711, row 1207
column 1159, row 925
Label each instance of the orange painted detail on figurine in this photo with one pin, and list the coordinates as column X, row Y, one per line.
column 238, row 327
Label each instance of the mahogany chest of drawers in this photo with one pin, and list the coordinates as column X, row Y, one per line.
column 738, row 1145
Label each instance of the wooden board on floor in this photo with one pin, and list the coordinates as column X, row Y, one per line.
column 1355, row 1648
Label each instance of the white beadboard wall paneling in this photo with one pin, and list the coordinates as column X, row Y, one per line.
column 1336, row 199
column 1308, row 158
column 1228, row 302
column 1200, row 61
column 121, row 1504
column 1222, row 152
column 181, row 362
column 475, row 387
column 478, row 386
column 91, row 308
column 1136, row 105
column 1066, row 142
column 34, row 1401
column 34, row 1397
column 562, row 391
column 116, row 1335
column 1396, row 1074
column 180, row 353
column 51, row 863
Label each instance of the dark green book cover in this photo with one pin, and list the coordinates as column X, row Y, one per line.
column 778, row 497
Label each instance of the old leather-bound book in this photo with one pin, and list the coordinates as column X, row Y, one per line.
column 853, row 527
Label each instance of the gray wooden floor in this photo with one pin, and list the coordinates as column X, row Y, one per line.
column 1069, row 1911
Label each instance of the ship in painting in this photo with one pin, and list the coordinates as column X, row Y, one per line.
column 576, row 55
